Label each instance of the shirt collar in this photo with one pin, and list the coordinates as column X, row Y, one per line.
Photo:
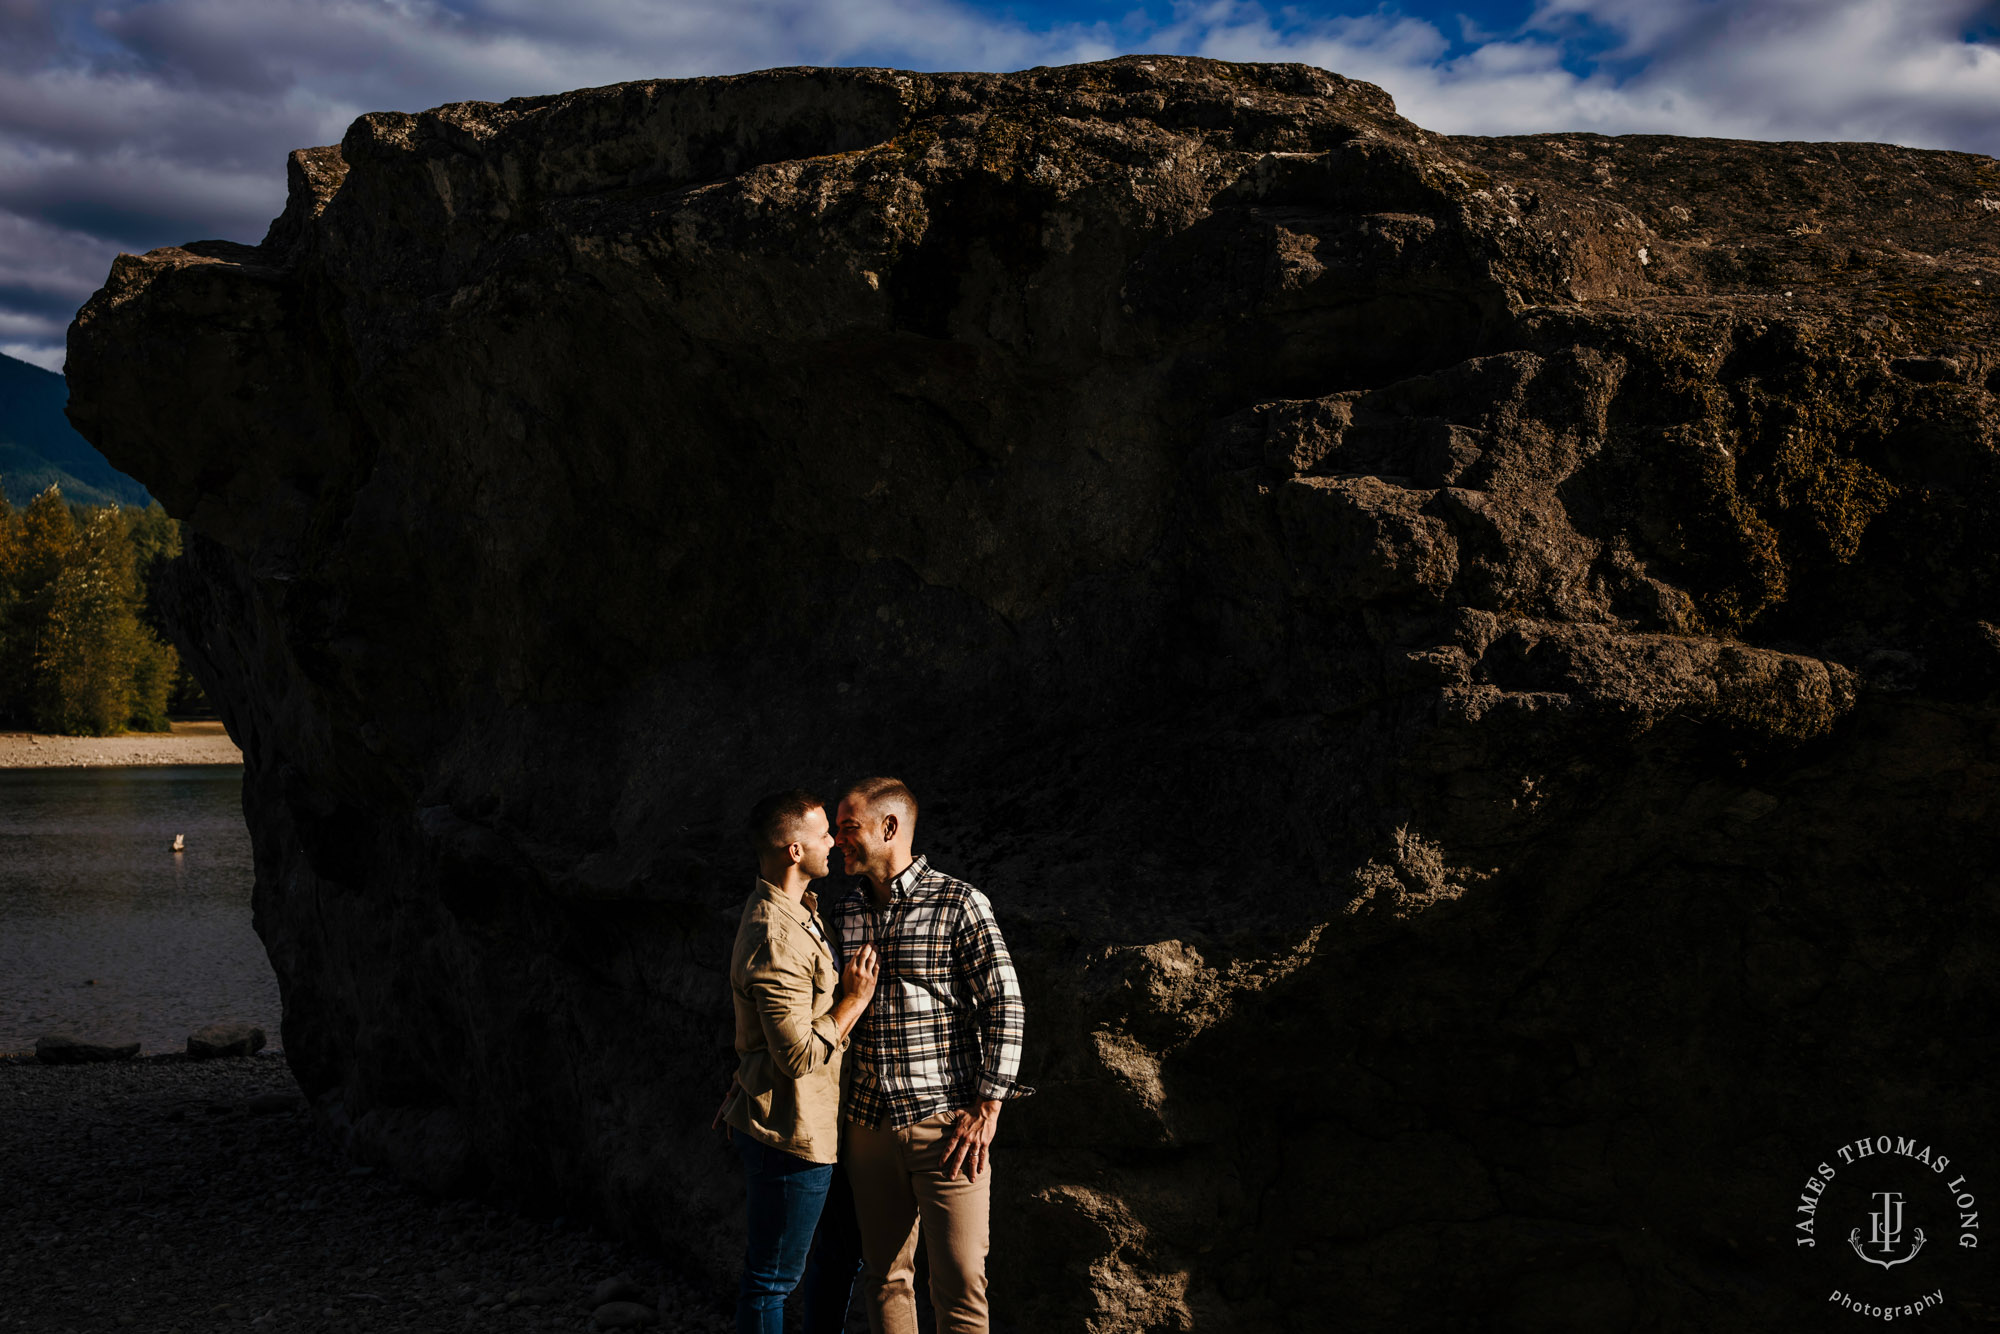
column 805, row 910
column 809, row 905
column 906, row 882
column 861, row 894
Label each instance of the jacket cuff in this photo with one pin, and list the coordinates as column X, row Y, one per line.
column 829, row 1032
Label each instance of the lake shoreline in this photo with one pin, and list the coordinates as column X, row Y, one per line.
column 189, row 743
column 109, row 933
column 186, row 1196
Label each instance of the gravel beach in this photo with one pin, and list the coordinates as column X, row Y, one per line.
column 188, row 743
column 172, row 1195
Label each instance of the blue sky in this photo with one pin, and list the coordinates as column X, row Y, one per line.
column 127, row 124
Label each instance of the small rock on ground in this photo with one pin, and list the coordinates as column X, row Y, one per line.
column 68, row 1049
column 618, row 1289
column 218, row 1040
column 624, row 1315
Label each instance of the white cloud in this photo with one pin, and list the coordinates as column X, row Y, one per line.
column 146, row 122
column 49, row 358
column 1893, row 70
column 142, row 122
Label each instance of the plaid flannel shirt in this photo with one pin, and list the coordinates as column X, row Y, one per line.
column 945, row 1028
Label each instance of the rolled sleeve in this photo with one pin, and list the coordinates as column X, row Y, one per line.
column 981, row 960
column 781, row 992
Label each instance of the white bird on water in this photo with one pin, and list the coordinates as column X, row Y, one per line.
column 180, row 842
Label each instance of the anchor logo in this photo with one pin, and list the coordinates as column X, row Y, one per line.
column 1885, row 1231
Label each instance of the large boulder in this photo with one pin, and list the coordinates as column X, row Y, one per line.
column 1467, row 667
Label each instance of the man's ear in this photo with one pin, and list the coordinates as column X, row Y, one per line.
column 795, row 852
column 889, row 827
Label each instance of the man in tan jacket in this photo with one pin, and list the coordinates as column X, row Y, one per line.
column 791, row 1030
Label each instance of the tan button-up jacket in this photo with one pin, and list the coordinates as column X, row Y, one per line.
column 782, row 979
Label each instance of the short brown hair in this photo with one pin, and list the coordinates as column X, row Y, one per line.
column 886, row 792
column 775, row 818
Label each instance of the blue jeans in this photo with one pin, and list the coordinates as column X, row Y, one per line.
column 836, row 1260
column 786, row 1193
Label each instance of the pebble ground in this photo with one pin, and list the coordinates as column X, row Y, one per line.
column 188, row 743
column 182, row 1196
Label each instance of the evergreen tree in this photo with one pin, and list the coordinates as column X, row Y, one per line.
column 37, row 539
column 47, row 529
column 77, row 653
column 156, row 667
column 13, row 630
column 81, row 642
column 88, row 650
column 156, row 542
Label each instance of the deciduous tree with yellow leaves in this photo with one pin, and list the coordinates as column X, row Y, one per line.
column 75, row 654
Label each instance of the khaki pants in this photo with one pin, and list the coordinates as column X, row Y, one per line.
column 898, row 1187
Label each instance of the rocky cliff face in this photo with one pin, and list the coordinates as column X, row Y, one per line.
column 1467, row 666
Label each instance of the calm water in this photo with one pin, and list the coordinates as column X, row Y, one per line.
column 90, row 894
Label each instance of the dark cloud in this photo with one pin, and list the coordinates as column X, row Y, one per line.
column 64, row 110
column 184, row 47
column 131, row 125
column 134, row 227
column 39, row 308
column 27, row 33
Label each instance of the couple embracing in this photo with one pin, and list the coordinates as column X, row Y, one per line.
column 876, row 1042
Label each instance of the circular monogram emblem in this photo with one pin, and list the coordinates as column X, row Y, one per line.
column 1886, row 1225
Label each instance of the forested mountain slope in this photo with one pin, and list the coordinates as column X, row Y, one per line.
column 39, row 448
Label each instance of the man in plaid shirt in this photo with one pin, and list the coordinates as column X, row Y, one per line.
column 927, row 1068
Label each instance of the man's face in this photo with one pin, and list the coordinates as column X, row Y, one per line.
column 863, row 850
column 815, row 842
